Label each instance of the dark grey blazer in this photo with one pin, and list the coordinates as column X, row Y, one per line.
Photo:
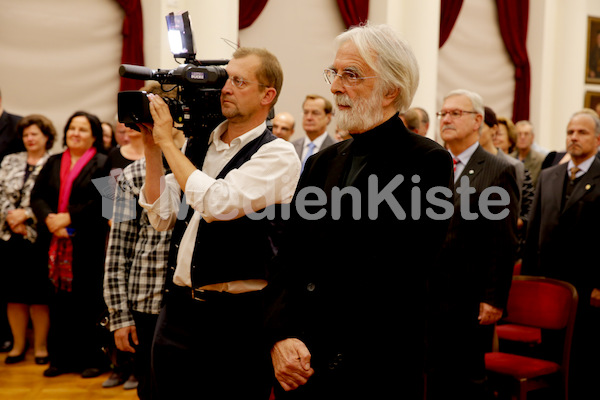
column 299, row 144
column 562, row 239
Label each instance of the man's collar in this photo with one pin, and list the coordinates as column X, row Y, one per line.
column 465, row 156
column 318, row 141
column 584, row 165
column 216, row 134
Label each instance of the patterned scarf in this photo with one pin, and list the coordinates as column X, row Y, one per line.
column 60, row 255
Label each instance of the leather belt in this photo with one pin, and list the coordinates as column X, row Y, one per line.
column 203, row 294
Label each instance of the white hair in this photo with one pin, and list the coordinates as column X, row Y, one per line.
column 389, row 56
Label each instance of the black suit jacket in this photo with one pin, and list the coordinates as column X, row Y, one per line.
column 478, row 255
column 9, row 142
column 475, row 266
column 562, row 242
column 345, row 283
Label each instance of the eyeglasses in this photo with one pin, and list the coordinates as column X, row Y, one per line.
column 348, row 78
column 454, row 113
column 241, row 82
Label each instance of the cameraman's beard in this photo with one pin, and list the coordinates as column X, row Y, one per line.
column 362, row 115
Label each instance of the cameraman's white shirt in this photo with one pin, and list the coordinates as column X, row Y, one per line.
column 269, row 177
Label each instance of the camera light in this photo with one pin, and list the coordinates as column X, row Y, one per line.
column 175, row 42
column 179, row 34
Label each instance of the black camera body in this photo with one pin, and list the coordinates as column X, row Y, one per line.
column 197, row 106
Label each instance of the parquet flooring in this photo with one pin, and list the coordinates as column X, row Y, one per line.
column 24, row 381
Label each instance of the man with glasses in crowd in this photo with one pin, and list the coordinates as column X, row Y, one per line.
column 347, row 316
column 474, row 275
column 208, row 339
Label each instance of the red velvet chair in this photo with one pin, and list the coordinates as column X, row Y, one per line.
column 516, row 333
column 536, row 302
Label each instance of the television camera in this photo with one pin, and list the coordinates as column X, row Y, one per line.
column 197, row 106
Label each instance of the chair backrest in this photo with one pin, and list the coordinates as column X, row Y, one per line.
column 544, row 303
column 540, row 302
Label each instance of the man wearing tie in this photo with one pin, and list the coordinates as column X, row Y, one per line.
column 471, row 282
column 317, row 113
column 562, row 239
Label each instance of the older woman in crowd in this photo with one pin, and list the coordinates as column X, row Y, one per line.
column 25, row 273
column 69, row 212
column 506, row 138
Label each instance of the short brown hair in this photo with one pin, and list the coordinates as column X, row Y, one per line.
column 270, row 72
column 328, row 106
column 43, row 123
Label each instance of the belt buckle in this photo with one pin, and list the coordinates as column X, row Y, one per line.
column 194, row 294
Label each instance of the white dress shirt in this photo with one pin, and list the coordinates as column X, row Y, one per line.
column 464, row 158
column 318, row 144
column 269, row 177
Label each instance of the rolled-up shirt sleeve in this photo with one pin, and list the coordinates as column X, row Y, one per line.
column 162, row 214
column 269, row 177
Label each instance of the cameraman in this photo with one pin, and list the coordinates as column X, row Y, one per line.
column 208, row 340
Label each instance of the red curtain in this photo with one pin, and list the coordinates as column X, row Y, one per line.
column 513, row 19
column 133, row 40
column 249, row 11
column 448, row 15
column 353, row 11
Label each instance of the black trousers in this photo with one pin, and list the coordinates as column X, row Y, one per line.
column 75, row 339
column 145, row 325
column 211, row 349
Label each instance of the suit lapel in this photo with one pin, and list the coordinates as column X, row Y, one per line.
column 552, row 192
column 587, row 183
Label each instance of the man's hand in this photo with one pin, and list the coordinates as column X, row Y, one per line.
column 162, row 131
column 595, row 299
column 291, row 361
column 122, row 338
column 488, row 314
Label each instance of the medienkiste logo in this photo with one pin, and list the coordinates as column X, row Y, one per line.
column 311, row 203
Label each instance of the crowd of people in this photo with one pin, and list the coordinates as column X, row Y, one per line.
column 246, row 265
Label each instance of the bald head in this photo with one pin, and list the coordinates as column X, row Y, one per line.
column 283, row 125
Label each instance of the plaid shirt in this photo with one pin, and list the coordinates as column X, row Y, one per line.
column 136, row 259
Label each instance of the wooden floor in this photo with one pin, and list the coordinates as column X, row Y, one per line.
column 24, row 381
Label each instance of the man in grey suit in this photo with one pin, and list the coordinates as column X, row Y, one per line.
column 524, row 151
column 562, row 240
column 470, row 284
column 317, row 113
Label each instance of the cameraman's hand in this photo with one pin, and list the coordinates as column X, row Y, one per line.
column 162, row 131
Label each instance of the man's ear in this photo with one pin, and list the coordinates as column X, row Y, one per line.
column 268, row 96
column 390, row 96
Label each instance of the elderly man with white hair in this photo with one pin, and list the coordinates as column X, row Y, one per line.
column 348, row 315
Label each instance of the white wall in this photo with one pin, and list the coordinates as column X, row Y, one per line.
column 57, row 57
column 300, row 34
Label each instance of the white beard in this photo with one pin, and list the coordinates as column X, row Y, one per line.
column 362, row 115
